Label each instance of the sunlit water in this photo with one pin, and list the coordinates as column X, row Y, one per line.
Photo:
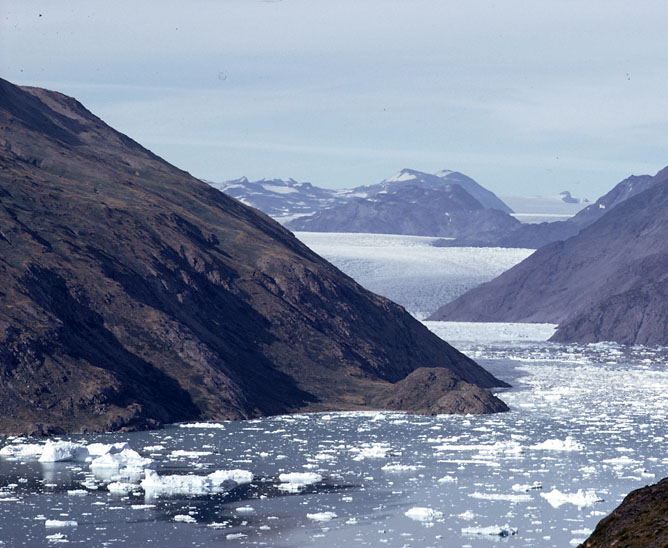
column 463, row 481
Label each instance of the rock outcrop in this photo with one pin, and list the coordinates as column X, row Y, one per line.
column 641, row 521
column 132, row 294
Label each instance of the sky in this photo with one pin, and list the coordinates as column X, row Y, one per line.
column 525, row 97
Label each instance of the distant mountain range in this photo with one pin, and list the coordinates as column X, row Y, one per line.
column 447, row 203
column 132, row 294
column 609, row 282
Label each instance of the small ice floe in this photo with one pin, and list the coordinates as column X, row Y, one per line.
column 468, row 515
column 184, row 518
column 216, row 482
column 525, row 488
column 202, row 425
column 419, row 513
column 448, row 479
column 64, row 451
column 58, row 524
column 235, row 536
column 77, row 492
column 99, row 449
column 321, row 516
column 401, row 467
column 17, row 451
column 245, row 510
column 121, row 488
column 294, row 481
column 501, row 496
column 371, row 451
column 125, row 463
column 57, row 538
column 142, row 506
column 580, row 499
column 492, row 531
column 180, row 453
column 154, row 448
column 569, row 444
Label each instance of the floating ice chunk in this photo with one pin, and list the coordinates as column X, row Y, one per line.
column 57, row 537
column 64, row 451
column 22, row 451
column 371, row 451
column 468, row 515
column 245, row 510
column 569, row 444
column 300, row 478
column 121, row 488
column 238, row 476
column 156, row 485
column 57, row 523
column 321, row 516
column 525, row 488
column 401, row 467
column 448, row 479
column 99, row 449
column 493, row 530
column 184, row 518
column 127, row 462
column 418, row 513
column 189, row 454
column 235, row 536
column 580, row 499
column 202, row 425
column 154, row 448
column 501, row 496
column 77, row 492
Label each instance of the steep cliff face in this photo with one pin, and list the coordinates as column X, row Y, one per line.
column 132, row 294
column 607, row 283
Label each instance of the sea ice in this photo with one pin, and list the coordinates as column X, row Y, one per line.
column 569, row 444
column 321, row 516
column 22, row 451
column 580, row 499
column 418, row 513
column 184, row 518
column 63, row 451
column 57, row 523
column 493, row 530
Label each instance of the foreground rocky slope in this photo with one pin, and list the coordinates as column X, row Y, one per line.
column 132, row 294
column 641, row 521
column 607, row 283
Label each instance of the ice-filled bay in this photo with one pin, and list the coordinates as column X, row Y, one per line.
column 586, row 427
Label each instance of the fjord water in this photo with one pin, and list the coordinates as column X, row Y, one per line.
column 586, row 427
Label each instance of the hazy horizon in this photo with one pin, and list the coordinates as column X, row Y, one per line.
column 526, row 99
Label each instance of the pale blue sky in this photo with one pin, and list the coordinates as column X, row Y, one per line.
column 525, row 97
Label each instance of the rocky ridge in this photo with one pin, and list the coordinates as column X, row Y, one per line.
column 132, row 294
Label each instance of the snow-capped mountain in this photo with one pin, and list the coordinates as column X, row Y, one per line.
column 448, row 211
column 411, row 177
column 281, row 199
column 286, row 200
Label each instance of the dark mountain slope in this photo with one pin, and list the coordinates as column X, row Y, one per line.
column 448, row 211
column 606, row 283
column 132, row 294
column 640, row 521
column 534, row 236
